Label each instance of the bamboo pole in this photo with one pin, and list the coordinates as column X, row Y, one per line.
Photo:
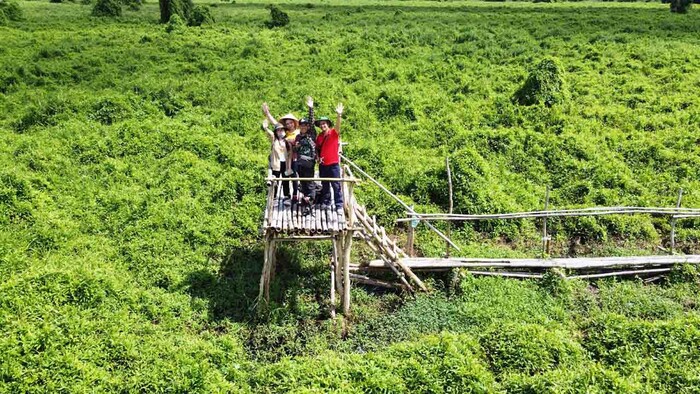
column 673, row 222
column 409, row 240
column 449, row 225
column 565, row 263
column 315, row 179
column 620, row 273
column 334, row 265
column 347, row 249
column 375, row 282
column 263, row 275
column 595, row 211
column 545, row 237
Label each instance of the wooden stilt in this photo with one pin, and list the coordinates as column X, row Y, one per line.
column 270, row 268
column 347, row 248
column 265, row 271
column 334, row 265
column 336, row 274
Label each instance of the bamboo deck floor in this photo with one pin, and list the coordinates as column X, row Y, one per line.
column 290, row 220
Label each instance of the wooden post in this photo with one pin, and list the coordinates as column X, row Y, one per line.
column 347, row 249
column 263, row 275
column 673, row 222
column 334, row 283
column 449, row 224
column 270, row 268
column 545, row 237
column 409, row 241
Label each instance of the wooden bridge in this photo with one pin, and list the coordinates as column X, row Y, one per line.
column 285, row 223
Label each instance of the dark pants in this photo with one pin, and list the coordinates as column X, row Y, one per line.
column 330, row 171
column 280, row 174
column 295, row 184
column 308, row 189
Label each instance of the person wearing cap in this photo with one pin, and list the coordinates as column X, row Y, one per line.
column 305, row 155
column 280, row 155
column 328, row 147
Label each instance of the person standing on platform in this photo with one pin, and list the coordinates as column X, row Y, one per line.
column 280, row 156
column 305, row 154
column 328, row 147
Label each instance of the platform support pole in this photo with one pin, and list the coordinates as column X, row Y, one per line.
column 268, row 266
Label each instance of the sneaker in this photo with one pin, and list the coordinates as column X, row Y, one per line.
column 287, row 202
column 306, row 211
column 339, row 210
column 325, row 207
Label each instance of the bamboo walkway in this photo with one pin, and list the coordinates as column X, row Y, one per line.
column 394, row 268
column 583, row 267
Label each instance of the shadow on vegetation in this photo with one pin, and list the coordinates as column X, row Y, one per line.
column 233, row 291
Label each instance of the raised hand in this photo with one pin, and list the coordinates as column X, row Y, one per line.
column 309, row 102
column 339, row 109
column 265, row 108
column 265, row 123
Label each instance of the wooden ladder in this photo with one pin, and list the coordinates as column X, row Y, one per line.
column 386, row 248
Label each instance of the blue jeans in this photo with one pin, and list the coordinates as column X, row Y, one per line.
column 330, row 171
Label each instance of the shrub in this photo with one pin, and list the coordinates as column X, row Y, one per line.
column 278, row 18
column 528, row 348
column 175, row 24
column 181, row 8
column 133, row 5
column 200, row 16
column 685, row 273
column 544, row 85
column 107, row 8
column 680, row 6
column 109, row 110
column 10, row 10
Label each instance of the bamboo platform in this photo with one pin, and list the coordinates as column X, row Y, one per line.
column 289, row 220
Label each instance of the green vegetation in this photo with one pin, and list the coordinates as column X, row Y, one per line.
column 109, row 8
column 131, row 191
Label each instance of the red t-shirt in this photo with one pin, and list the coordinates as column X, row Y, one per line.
column 327, row 145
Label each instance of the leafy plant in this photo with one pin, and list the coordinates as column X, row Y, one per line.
column 107, row 8
column 201, row 15
column 278, row 18
column 680, row 6
column 10, row 10
column 544, row 85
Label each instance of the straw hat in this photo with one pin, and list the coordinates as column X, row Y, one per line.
column 292, row 117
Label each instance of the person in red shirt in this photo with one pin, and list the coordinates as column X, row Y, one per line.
column 328, row 146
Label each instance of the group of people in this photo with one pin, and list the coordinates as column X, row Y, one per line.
column 296, row 148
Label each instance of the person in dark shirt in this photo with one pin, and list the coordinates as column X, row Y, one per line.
column 305, row 154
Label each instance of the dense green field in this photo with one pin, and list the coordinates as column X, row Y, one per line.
column 131, row 191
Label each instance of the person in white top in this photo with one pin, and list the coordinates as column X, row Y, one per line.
column 280, row 155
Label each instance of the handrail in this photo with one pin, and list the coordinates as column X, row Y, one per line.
column 397, row 199
column 679, row 213
column 289, row 179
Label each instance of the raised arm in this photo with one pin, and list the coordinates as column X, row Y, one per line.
column 266, row 111
column 310, row 104
column 339, row 111
column 266, row 129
